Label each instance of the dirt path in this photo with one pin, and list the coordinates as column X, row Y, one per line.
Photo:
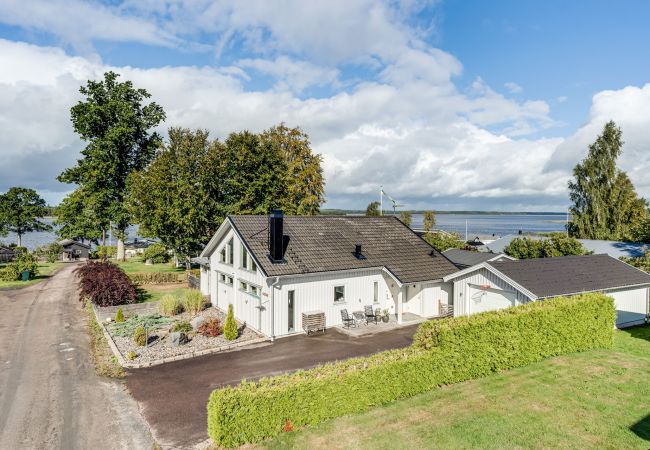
column 50, row 397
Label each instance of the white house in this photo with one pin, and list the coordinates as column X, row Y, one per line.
column 498, row 284
column 274, row 268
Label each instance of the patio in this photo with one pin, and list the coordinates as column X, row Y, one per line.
column 363, row 329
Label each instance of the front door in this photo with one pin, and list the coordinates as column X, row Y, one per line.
column 291, row 311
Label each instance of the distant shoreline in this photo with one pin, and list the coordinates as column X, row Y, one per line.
column 334, row 211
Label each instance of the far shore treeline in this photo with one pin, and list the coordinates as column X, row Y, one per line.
column 180, row 189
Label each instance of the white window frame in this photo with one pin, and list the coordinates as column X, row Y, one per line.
column 375, row 292
column 342, row 299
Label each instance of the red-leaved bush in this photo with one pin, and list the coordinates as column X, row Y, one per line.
column 211, row 328
column 105, row 284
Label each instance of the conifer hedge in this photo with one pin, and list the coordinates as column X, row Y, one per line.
column 443, row 352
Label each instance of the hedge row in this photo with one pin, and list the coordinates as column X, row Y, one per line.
column 158, row 277
column 444, row 351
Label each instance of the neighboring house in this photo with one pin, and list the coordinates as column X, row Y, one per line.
column 74, row 250
column 7, row 254
column 467, row 258
column 274, row 268
column 136, row 247
column 615, row 249
column 494, row 285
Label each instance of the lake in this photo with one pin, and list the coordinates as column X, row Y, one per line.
column 477, row 224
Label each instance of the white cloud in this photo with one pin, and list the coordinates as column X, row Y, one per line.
column 562, row 99
column 513, row 87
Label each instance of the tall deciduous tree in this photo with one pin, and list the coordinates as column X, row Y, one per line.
column 372, row 209
column 116, row 125
column 428, row 220
column 406, row 218
column 20, row 211
column 79, row 217
column 177, row 198
column 303, row 173
column 605, row 204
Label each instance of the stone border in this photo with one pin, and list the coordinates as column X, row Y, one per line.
column 133, row 365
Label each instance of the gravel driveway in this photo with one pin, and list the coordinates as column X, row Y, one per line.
column 50, row 397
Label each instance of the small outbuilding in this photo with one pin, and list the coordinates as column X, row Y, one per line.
column 7, row 254
column 74, row 250
column 495, row 285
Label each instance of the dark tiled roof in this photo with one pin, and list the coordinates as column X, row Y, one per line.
column 467, row 258
column 326, row 243
column 67, row 242
column 548, row 277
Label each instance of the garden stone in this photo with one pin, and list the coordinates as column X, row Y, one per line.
column 178, row 338
column 197, row 322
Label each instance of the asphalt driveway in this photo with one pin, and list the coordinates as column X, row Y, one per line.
column 174, row 396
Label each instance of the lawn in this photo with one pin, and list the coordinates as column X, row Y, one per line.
column 585, row 400
column 135, row 265
column 153, row 292
column 45, row 269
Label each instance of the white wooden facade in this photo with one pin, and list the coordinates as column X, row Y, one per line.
column 264, row 302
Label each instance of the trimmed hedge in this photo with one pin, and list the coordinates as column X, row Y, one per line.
column 444, row 351
column 157, row 277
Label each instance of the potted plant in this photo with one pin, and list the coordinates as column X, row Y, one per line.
column 385, row 317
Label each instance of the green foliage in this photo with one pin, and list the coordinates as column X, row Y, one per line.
column 559, row 244
column 156, row 253
column 182, row 326
column 442, row 241
column 20, row 211
column 157, row 277
column 170, row 305
column 247, row 174
column 641, row 232
column 193, row 301
column 82, row 215
column 640, row 262
column 106, row 252
column 428, row 220
column 230, row 331
column 53, row 252
column 105, row 362
column 148, row 321
column 119, row 315
column 24, row 261
column 131, row 355
column 115, row 124
column 444, row 351
column 373, row 209
column 605, row 204
column 140, row 336
column 406, row 218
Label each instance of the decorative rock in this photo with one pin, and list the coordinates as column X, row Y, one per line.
column 109, row 320
column 197, row 322
column 178, row 338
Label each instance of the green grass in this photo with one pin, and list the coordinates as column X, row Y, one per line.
column 594, row 399
column 106, row 364
column 133, row 266
column 153, row 292
column 45, row 270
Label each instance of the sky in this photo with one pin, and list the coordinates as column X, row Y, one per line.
column 449, row 105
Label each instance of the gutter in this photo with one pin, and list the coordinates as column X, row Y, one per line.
column 275, row 283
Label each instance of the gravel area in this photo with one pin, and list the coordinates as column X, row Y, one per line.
column 160, row 345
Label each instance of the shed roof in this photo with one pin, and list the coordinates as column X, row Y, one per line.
column 327, row 243
column 564, row 275
column 467, row 258
column 68, row 242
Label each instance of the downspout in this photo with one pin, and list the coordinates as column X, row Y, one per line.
column 275, row 283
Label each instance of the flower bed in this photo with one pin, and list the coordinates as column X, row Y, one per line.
column 160, row 348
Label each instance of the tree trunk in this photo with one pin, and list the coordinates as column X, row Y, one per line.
column 121, row 256
column 20, row 239
column 103, row 237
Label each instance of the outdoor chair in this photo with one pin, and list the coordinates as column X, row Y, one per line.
column 347, row 320
column 370, row 315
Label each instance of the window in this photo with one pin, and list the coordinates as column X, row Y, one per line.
column 222, row 278
column 291, row 308
column 225, row 279
column 254, row 290
column 246, row 261
column 229, row 256
column 222, row 255
column 339, row 294
column 375, row 292
column 229, row 281
column 243, row 286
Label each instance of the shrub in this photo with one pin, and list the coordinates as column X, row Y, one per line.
column 157, row 253
column 131, row 355
column 169, row 305
column 193, row 301
column 230, row 331
column 24, row 261
column 105, row 284
column 119, row 316
column 558, row 244
column 157, row 277
column 444, row 351
column 51, row 253
column 140, row 336
column 211, row 328
column 182, row 326
column 148, row 321
column 105, row 252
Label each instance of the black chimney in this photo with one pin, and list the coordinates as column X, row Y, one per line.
column 276, row 236
column 357, row 252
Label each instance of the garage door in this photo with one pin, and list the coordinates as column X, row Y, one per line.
column 631, row 306
column 489, row 299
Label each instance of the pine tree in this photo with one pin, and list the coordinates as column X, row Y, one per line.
column 605, row 204
column 230, row 331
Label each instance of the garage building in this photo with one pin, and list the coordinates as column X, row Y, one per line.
column 495, row 285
